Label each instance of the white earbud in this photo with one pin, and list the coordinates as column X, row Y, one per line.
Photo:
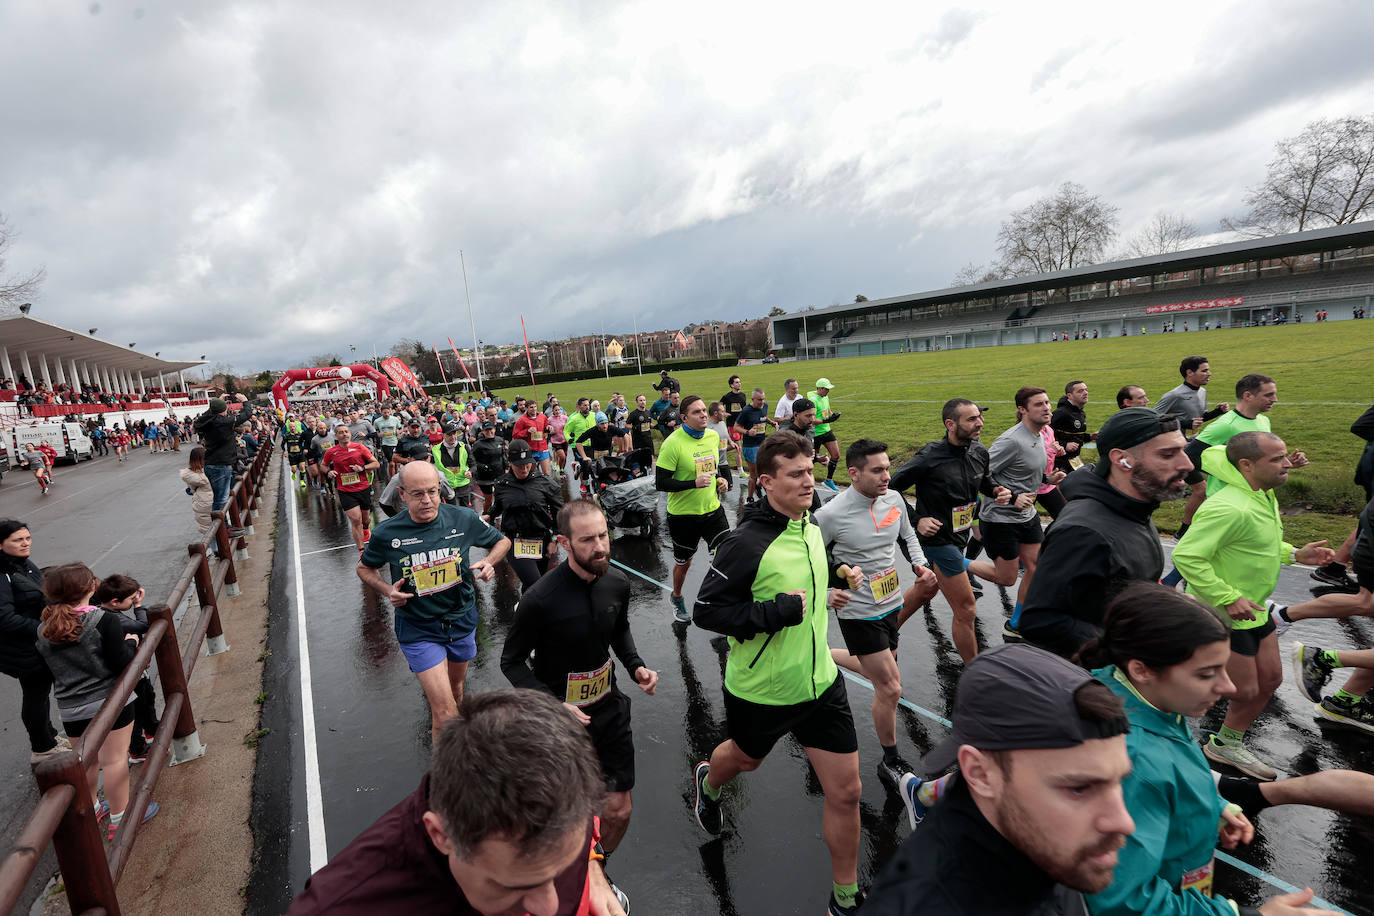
column 1125, row 463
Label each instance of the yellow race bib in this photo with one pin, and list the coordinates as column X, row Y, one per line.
column 706, row 464
column 527, row 549
column 586, row 687
column 436, row 576
column 1200, row 879
column 349, row 479
column 883, row 585
column 962, row 516
column 758, row 429
column 646, row 426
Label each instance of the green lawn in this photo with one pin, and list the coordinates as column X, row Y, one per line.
column 1323, row 373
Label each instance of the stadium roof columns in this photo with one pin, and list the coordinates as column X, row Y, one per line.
column 47, row 352
column 786, row 329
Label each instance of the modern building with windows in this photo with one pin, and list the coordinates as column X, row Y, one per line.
column 1278, row 280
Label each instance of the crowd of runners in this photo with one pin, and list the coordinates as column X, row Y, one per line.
column 1074, row 787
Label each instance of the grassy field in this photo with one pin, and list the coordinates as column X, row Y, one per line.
column 1323, row 372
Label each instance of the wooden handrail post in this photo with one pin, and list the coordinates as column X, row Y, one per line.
column 215, row 642
column 80, row 852
column 185, row 737
column 226, row 555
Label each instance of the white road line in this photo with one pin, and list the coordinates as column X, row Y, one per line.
column 327, row 549
column 314, row 796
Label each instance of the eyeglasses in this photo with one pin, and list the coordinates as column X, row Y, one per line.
column 423, row 494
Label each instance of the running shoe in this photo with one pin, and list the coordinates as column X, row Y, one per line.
column 890, row 775
column 1311, row 671
column 1334, row 575
column 680, row 612
column 908, row 787
column 1010, row 633
column 367, row 535
column 1281, row 623
column 837, row 909
column 1359, row 713
column 707, row 809
column 977, row 586
column 830, row 484
column 148, row 814
column 138, row 756
column 103, row 811
column 1238, row 757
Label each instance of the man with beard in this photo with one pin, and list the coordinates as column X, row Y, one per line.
column 569, row 621
column 1105, row 537
column 1034, row 815
column 1070, row 424
column 640, row 424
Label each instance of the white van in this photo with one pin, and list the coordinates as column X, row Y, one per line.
column 69, row 440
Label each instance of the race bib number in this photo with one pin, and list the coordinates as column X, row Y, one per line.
column 825, row 417
column 536, row 436
column 436, row 576
column 706, row 464
column 758, row 429
column 962, row 516
column 600, row 454
column 883, row 585
column 736, row 408
column 349, row 478
column 646, row 426
column 586, row 687
column 529, row 549
column 1200, row 879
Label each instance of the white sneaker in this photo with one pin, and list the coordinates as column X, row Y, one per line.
column 1281, row 624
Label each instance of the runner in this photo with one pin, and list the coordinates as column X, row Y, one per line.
column 753, row 423
column 296, row 446
column 735, row 401
column 716, row 422
column 948, row 475
column 1070, row 425
column 527, row 504
column 670, row 417
column 1188, row 404
column 427, row 548
column 862, row 528
column 820, row 397
column 558, row 442
column 36, row 461
column 120, row 439
column 388, row 429
column 320, row 442
column 412, row 445
column 489, row 462
column 346, row 465
column 1231, row 558
column 791, row 390
column 579, row 422
column 533, row 427
column 569, row 621
column 452, row 457
column 364, row 432
column 617, row 412
column 1012, row 533
column 766, row 590
column 641, row 425
column 690, row 473
column 1131, row 396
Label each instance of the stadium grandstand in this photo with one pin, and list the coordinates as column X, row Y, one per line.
column 1277, row 280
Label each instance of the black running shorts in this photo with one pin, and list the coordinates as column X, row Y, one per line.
column 686, row 531
column 362, row 499
column 869, row 637
column 824, row 723
column 1247, row 642
column 823, row 438
column 1003, row 540
column 614, row 741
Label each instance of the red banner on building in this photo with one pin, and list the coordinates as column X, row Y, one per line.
column 1228, row 302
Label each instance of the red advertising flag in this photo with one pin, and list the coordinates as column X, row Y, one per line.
column 529, row 362
column 398, row 372
column 467, row 375
column 437, row 359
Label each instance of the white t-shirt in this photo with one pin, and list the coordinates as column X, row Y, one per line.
column 784, row 408
column 721, row 430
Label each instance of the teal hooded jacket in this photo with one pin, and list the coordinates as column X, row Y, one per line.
column 1166, row 866
column 1235, row 546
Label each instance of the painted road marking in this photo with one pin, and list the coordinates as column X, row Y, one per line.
column 314, row 796
column 310, row 553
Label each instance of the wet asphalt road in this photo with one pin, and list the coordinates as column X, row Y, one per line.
column 372, row 729
column 133, row 518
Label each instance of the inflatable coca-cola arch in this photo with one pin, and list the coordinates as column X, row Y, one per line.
column 323, row 375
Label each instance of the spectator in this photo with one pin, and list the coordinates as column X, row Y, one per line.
column 216, row 430
column 198, row 487
column 21, row 604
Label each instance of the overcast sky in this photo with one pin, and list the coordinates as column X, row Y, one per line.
column 261, row 182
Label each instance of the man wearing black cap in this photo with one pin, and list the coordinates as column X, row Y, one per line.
column 451, row 456
column 1034, row 816
column 489, row 461
column 666, row 383
column 412, row 446
column 1105, row 537
column 216, row 429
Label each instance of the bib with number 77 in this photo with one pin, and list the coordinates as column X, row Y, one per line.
column 586, row 687
column 883, row 585
column 436, row 576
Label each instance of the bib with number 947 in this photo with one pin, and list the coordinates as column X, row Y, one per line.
column 586, row 687
column 883, row 585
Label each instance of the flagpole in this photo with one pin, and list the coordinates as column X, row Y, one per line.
column 604, row 361
column 481, row 388
column 638, row 358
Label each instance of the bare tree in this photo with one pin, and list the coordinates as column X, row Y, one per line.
column 1069, row 229
column 1165, row 232
column 971, row 274
column 1322, row 177
column 16, row 289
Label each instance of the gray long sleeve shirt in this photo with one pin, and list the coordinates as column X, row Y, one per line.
column 1185, row 403
column 864, row 532
column 1016, row 461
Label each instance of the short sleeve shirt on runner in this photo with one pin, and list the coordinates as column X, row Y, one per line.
column 432, row 560
column 687, row 457
column 752, row 423
column 341, row 459
column 388, row 428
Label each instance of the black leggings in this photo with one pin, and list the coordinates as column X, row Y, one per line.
column 35, row 710
column 529, row 570
column 1053, row 502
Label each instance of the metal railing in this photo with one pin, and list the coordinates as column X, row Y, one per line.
column 63, row 815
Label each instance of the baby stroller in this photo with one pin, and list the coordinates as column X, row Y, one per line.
column 625, row 489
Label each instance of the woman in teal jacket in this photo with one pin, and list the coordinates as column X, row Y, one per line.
column 1165, row 654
